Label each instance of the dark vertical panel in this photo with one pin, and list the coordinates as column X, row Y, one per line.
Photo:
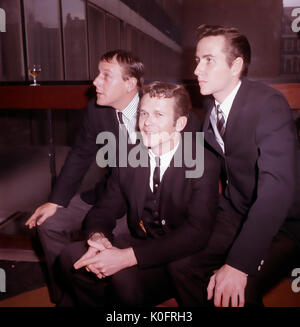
column 123, row 41
column 97, row 45
column 75, row 40
column 129, row 38
column 147, row 57
column 44, row 37
column 156, row 60
column 145, row 53
column 112, row 30
column 134, row 40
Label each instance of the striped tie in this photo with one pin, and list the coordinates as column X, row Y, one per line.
column 220, row 121
column 122, row 125
column 120, row 116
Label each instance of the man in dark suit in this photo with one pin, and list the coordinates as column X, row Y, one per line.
column 117, row 86
column 170, row 216
column 250, row 127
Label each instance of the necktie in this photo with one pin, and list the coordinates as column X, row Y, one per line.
column 122, row 125
column 120, row 116
column 156, row 174
column 220, row 120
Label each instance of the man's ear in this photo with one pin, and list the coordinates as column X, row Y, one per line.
column 237, row 66
column 131, row 83
column 181, row 123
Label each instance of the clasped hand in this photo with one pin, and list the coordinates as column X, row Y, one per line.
column 103, row 259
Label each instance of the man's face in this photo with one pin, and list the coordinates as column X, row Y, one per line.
column 156, row 123
column 214, row 74
column 110, row 87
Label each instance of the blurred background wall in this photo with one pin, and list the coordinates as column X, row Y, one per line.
column 67, row 37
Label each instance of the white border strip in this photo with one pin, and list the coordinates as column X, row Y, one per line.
column 120, row 10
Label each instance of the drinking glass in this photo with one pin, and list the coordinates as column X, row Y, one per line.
column 34, row 71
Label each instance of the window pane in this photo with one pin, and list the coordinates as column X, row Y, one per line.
column 96, row 20
column 112, row 32
column 135, row 41
column 157, row 61
column 43, row 37
column 149, row 58
column 75, row 39
column 11, row 66
column 129, row 37
column 142, row 50
column 125, row 40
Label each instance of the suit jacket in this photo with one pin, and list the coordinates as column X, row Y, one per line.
column 187, row 206
column 96, row 119
column 259, row 161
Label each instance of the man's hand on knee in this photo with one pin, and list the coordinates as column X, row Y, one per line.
column 227, row 286
column 41, row 214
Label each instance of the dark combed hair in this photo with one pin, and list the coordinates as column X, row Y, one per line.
column 237, row 45
column 131, row 65
column 170, row 90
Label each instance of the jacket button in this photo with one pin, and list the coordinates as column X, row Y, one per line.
column 262, row 262
column 163, row 222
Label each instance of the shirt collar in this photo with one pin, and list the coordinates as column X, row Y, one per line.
column 131, row 110
column 227, row 103
column 165, row 158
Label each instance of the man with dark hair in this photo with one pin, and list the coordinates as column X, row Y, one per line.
column 170, row 216
column 250, row 127
column 117, row 86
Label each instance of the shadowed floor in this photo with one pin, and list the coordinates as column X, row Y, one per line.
column 280, row 296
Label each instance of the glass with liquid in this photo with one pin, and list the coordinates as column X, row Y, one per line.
column 34, row 71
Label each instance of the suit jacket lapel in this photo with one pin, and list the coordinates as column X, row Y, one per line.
column 236, row 108
column 237, row 105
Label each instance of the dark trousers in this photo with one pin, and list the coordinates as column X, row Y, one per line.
column 129, row 287
column 185, row 279
column 55, row 233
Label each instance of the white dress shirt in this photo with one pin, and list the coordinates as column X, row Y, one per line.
column 165, row 160
column 129, row 115
column 225, row 106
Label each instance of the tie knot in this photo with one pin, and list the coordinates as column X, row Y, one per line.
column 120, row 116
column 218, row 108
column 220, row 121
